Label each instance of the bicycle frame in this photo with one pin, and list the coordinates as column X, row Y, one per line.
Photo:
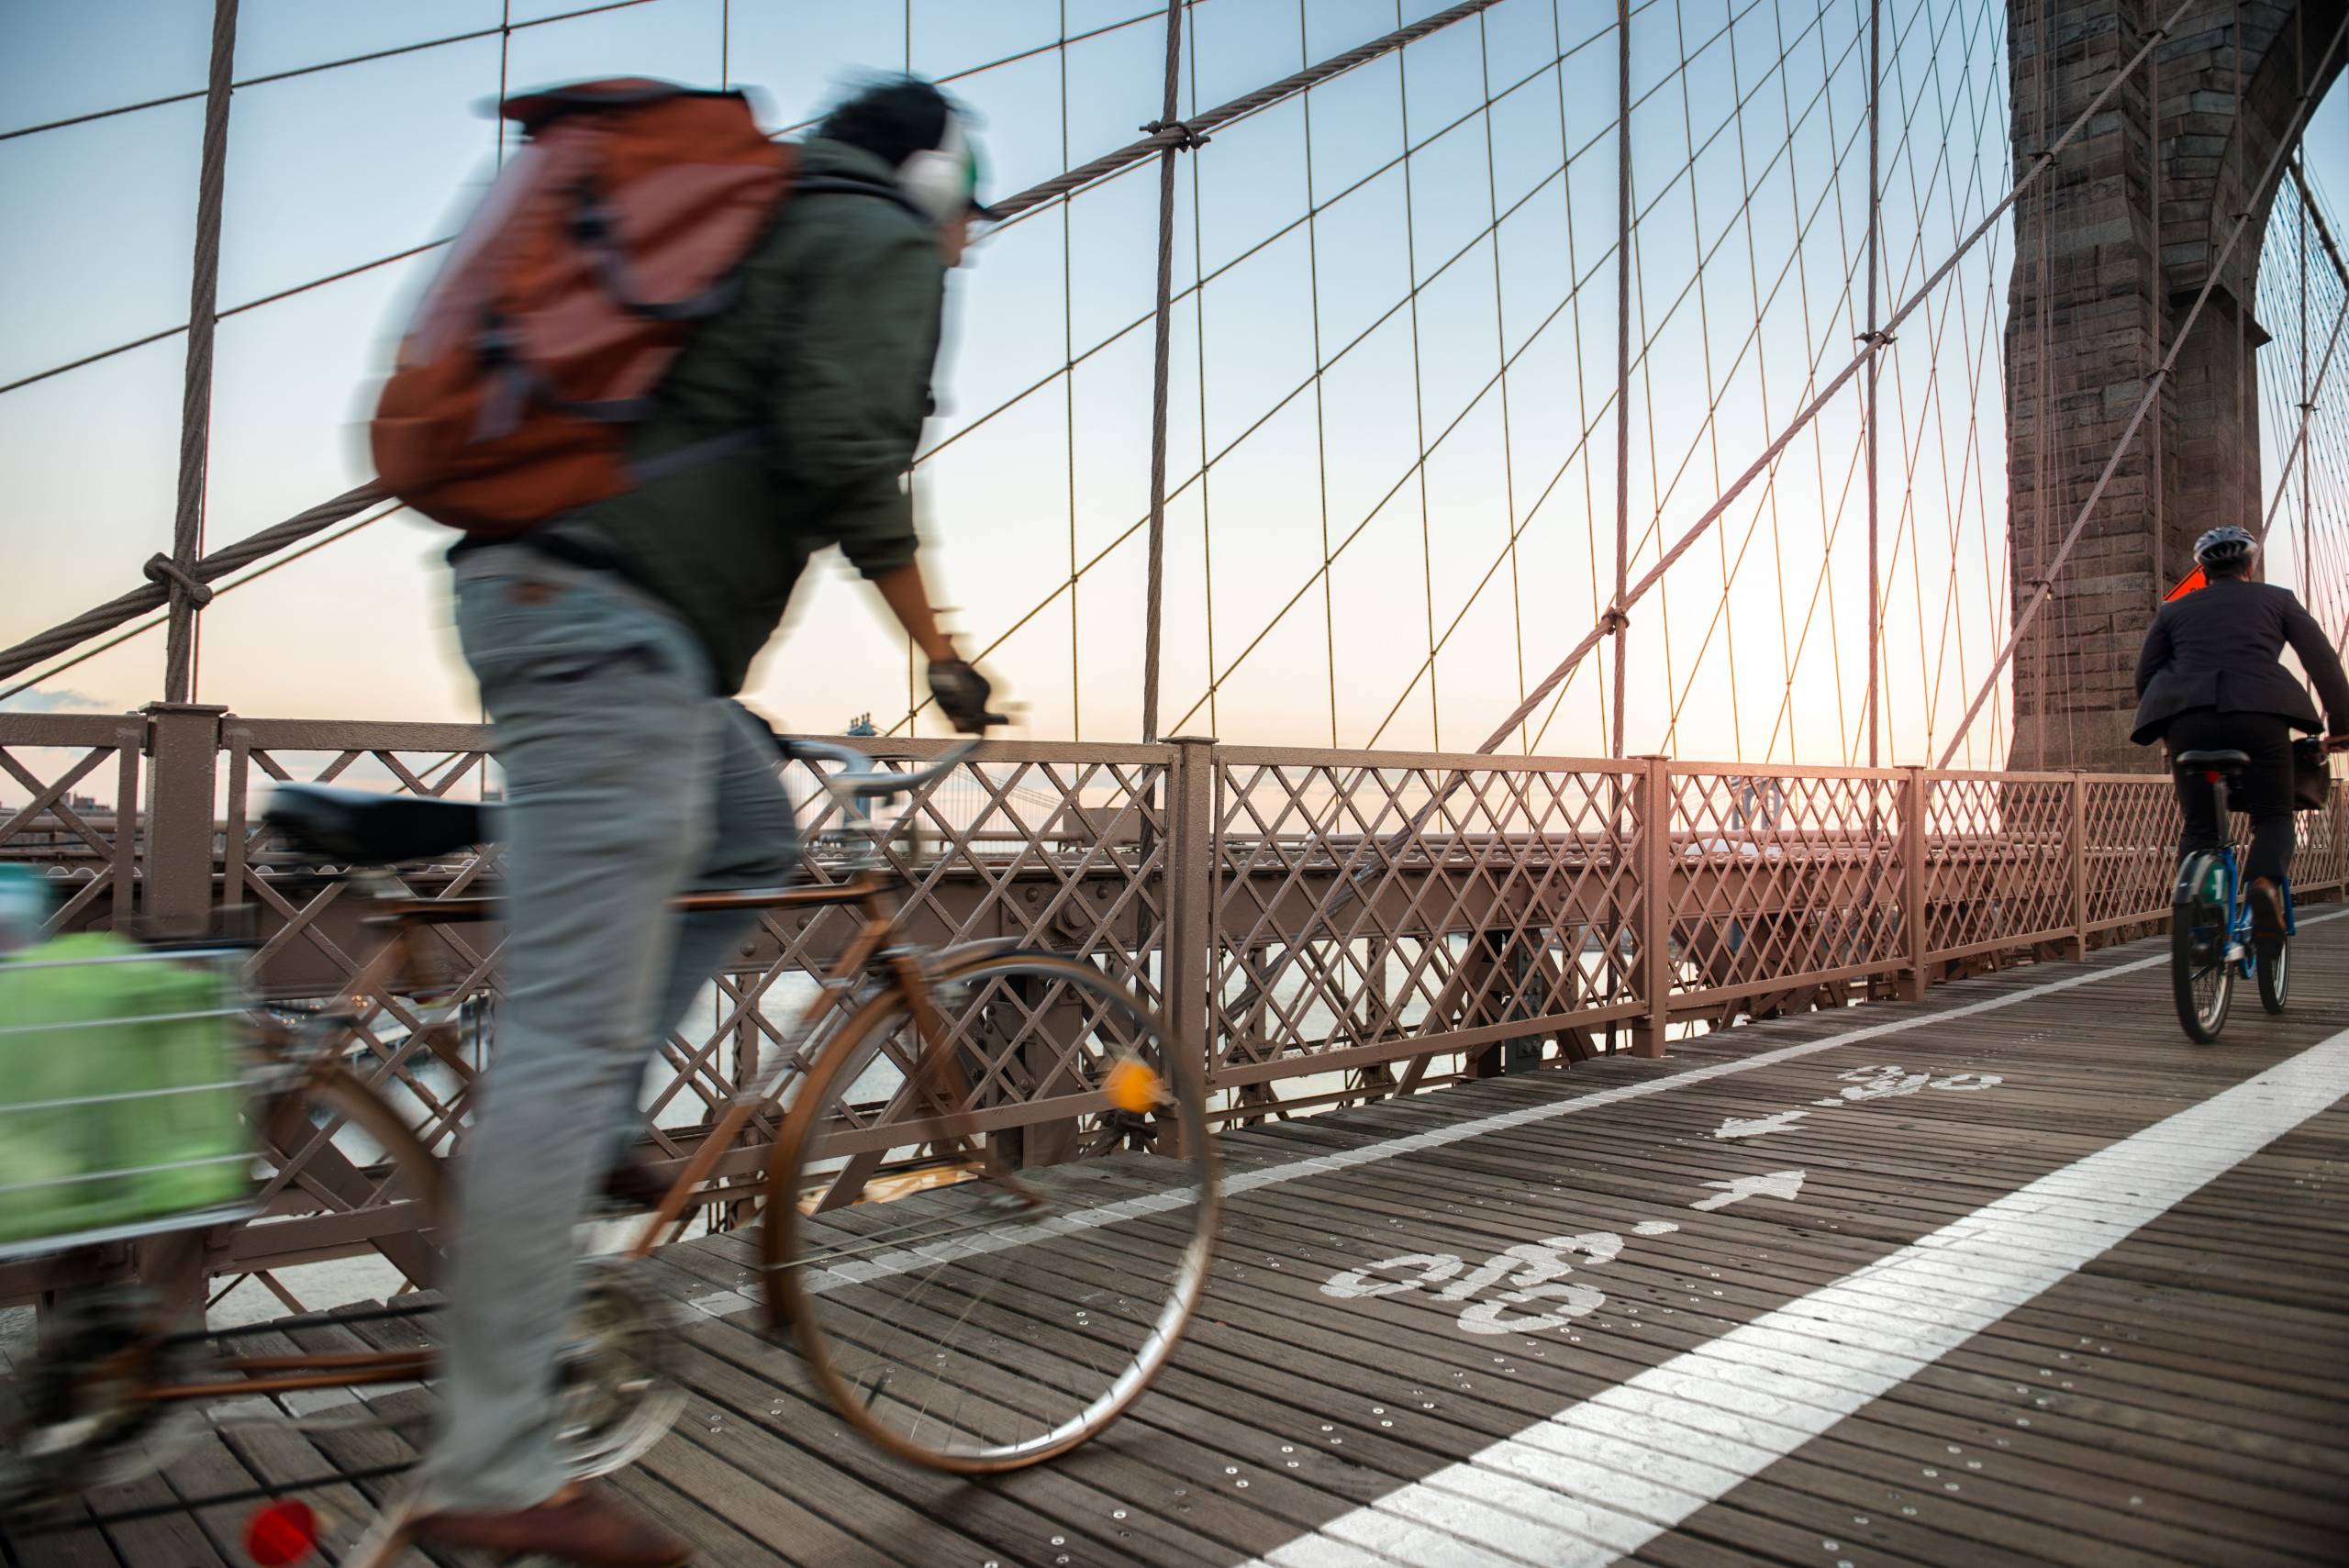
column 309, row 1065
column 2242, row 951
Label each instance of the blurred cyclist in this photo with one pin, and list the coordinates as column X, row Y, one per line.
column 609, row 645
column 2209, row 679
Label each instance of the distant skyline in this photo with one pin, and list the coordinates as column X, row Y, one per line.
column 1324, row 585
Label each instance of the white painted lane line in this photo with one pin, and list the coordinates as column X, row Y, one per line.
column 1603, row 1477
column 887, row 1266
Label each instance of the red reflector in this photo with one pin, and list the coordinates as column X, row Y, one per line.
column 282, row 1534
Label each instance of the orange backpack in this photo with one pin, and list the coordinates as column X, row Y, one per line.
column 616, row 228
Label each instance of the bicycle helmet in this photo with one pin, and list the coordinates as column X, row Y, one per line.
column 2228, row 548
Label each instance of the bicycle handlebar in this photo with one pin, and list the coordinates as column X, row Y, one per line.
column 860, row 780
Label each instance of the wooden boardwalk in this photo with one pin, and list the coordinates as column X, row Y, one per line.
column 2014, row 1276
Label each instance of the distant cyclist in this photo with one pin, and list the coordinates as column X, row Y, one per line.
column 2209, row 679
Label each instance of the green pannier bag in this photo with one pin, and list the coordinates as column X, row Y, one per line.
column 120, row 1099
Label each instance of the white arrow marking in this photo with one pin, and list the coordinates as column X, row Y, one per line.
column 1777, row 1183
column 1755, row 1126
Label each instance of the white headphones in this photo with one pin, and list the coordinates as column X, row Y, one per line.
column 942, row 180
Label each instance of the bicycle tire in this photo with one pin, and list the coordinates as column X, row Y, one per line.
column 2275, row 972
column 2201, row 978
column 415, row 1175
column 615, row 1385
column 1051, row 1339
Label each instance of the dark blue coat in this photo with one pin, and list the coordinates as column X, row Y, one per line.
column 2218, row 647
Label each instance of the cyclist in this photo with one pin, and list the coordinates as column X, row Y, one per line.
column 2209, row 679
column 609, row 645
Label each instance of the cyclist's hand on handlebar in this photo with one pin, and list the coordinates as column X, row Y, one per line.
column 962, row 694
column 2336, row 742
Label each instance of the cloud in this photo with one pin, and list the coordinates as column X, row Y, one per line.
column 55, row 699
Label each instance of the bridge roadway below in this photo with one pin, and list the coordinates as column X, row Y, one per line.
column 2063, row 1289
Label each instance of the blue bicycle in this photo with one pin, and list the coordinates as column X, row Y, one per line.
column 2211, row 936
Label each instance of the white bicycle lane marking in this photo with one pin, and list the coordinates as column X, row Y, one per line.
column 887, row 1265
column 1604, row 1478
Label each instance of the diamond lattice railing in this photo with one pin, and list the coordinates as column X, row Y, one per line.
column 1053, row 848
column 313, row 942
column 2130, row 849
column 1362, row 903
column 1781, row 875
column 1998, row 862
column 68, row 795
column 1058, row 848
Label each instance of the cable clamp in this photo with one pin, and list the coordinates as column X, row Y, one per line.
column 163, row 572
column 1185, row 139
column 1875, row 339
column 1612, row 620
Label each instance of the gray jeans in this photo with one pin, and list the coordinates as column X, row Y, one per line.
column 627, row 781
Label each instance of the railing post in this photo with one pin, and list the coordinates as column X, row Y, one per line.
column 1653, row 977
column 2079, row 862
column 1190, row 894
column 176, row 891
column 1916, row 803
column 183, row 749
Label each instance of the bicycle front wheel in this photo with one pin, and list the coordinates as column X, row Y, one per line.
column 2202, row 980
column 963, row 1313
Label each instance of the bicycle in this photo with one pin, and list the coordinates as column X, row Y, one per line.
column 947, row 1304
column 2213, row 934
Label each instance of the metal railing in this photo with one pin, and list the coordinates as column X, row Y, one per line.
column 1329, row 926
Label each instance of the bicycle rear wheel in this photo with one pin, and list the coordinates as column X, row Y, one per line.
column 962, row 1320
column 2275, row 972
column 2202, row 981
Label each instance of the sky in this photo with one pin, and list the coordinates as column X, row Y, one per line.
column 1387, row 552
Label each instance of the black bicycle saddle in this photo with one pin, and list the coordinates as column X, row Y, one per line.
column 359, row 826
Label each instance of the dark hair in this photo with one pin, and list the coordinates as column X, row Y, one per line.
column 893, row 120
column 2228, row 566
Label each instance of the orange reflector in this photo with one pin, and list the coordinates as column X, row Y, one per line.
column 2188, row 584
column 282, row 1534
column 1132, row 1086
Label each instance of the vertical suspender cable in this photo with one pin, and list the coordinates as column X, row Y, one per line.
column 2308, row 396
column 195, row 399
column 1152, row 622
column 1622, row 351
column 2307, row 393
column 1876, row 356
column 2160, row 302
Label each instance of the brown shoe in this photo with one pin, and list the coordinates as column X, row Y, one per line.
column 573, row 1526
column 2267, row 908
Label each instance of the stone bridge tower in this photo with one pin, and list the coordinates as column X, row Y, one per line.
column 2111, row 249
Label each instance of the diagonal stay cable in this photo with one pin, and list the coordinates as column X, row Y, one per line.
column 1697, row 529
column 103, row 617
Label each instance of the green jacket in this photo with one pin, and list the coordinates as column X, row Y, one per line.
column 827, row 353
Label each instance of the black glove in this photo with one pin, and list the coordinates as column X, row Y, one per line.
column 962, row 694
